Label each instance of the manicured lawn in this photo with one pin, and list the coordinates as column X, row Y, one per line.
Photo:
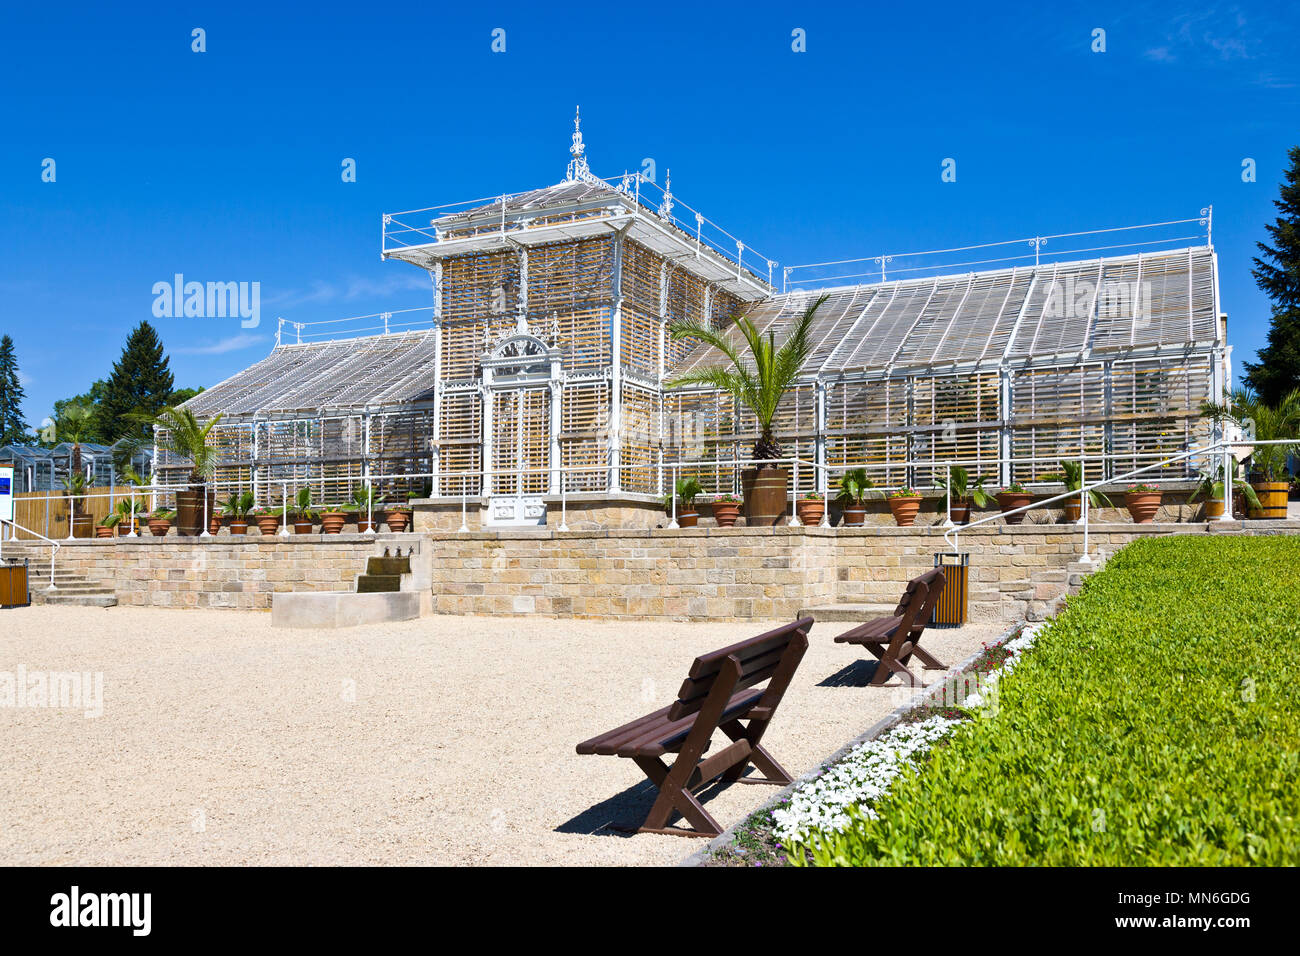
column 1155, row 723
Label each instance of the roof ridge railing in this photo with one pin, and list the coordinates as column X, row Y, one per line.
column 402, row 230
column 884, row 266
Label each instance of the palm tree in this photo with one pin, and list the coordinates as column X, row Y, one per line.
column 183, row 435
column 1262, row 422
column 758, row 381
column 75, row 422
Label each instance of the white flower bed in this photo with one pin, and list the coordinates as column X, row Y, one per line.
column 865, row 774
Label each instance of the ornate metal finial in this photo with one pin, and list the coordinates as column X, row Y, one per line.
column 666, row 207
column 578, row 168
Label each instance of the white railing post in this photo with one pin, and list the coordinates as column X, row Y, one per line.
column 1083, row 516
column 794, row 498
column 370, row 506
column 947, row 497
column 207, row 521
column 1228, row 478
column 564, row 506
column 1083, row 494
column 284, row 509
column 672, row 490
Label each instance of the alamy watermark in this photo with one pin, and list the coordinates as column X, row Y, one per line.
column 70, row 690
column 1114, row 298
column 210, row 300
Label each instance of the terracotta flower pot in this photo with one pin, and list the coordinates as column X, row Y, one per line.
column 398, row 519
column 810, row 511
column 238, row 526
column 959, row 511
column 267, row 524
column 687, row 519
column 1142, row 505
column 855, row 516
column 905, row 509
column 1010, row 501
column 214, row 525
column 331, row 522
column 726, row 513
column 159, row 527
column 102, row 532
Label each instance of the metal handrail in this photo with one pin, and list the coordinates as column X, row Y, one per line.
column 1084, row 492
column 54, row 545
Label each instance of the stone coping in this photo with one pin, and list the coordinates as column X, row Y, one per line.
column 546, row 533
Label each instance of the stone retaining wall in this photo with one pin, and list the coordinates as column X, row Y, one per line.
column 231, row 572
column 697, row 574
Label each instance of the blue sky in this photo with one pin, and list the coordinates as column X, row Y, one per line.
column 225, row 165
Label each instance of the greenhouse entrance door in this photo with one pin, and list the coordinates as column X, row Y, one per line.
column 521, row 464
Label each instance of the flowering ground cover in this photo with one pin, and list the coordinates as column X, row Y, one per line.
column 1155, row 723
column 864, row 775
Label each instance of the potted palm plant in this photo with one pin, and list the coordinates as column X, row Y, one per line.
column 1072, row 475
column 905, row 503
column 105, row 528
column 125, row 516
column 1210, row 490
column 853, row 487
column 178, row 432
column 301, row 512
column 726, row 509
column 237, row 508
column 76, row 484
column 1012, row 497
column 960, row 492
column 811, row 508
column 688, row 488
column 1263, row 422
column 362, row 503
column 757, row 381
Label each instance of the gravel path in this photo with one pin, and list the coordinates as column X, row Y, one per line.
column 447, row 740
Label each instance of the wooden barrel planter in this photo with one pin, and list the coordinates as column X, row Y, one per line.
column 190, row 513
column 766, row 503
column 83, row 526
column 1272, row 497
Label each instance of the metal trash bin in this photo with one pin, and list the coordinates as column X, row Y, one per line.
column 14, row 587
column 950, row 609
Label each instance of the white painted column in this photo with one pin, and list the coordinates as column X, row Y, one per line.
column 557, row 390
column 614, row 483
column 435, row 439
column 486, row 482
column 1004, row 430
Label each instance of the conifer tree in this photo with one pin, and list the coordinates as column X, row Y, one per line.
column 140, row 385
column 13, row 427
column 1277, row 273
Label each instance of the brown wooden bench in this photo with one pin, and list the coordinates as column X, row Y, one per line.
column 894, row 640
column 718, row 694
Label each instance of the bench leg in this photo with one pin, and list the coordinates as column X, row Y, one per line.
column 928, row 660
column 763, row 761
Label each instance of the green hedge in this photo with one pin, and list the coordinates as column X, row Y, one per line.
column 1128, row 736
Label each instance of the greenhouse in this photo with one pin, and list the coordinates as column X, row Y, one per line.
column 544, row 366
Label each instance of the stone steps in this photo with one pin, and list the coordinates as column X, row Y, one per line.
column 70, row 588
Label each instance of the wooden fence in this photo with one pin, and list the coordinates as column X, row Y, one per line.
column 47, row 512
